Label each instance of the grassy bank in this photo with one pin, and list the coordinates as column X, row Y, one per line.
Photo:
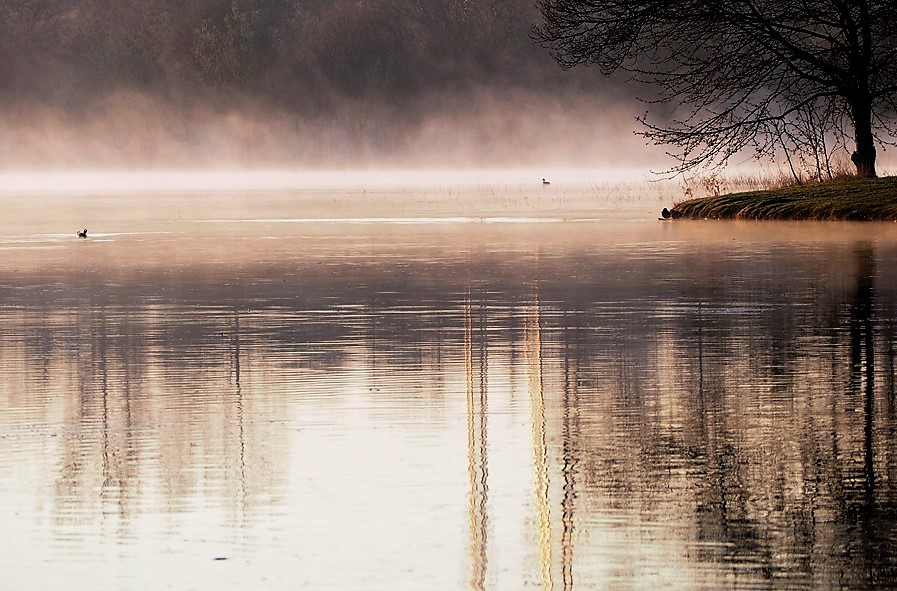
column 850, row 199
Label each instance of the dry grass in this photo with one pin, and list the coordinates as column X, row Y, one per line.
column 715, row 185
column 843, row 199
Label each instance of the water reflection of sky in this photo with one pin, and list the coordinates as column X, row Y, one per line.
column 593, row 405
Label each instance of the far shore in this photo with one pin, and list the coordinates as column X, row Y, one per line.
column 840, row 200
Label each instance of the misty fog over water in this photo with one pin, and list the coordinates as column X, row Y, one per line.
column 250, row 83
column 305, row 84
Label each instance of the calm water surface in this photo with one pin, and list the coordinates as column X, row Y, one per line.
column 442, row 389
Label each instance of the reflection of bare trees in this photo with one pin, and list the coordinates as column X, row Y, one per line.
column 149, row 396
column 765, row 421
column 860, row 487
column 570, row 438
column 862, row 362
column 745, row 426
column 532, row 337
column 476, row 370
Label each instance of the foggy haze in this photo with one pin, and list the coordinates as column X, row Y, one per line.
column 293, row 83
column 133, row 128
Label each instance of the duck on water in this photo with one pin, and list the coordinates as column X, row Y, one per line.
column 82, row 233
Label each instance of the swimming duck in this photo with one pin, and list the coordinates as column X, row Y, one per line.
column 82, row 233
column 544, row 182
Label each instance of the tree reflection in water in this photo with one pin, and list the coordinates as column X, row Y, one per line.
column 707, row 415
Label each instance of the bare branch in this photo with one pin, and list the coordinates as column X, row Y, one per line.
column 734, row 74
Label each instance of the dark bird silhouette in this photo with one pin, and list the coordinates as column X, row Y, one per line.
column 544, row 182
column 82, row 233
column 670, row 213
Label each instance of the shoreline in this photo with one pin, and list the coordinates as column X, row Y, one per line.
column 840, row 200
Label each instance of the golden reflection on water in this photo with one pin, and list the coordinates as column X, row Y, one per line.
column 477, row 451
column 474, row 407
column 532, row 337
column 569, row 435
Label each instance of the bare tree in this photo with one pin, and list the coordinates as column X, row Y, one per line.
column 730, row 72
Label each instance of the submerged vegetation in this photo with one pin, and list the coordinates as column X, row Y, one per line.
column 862, row 199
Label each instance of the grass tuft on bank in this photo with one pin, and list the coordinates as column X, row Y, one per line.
column 846, row 199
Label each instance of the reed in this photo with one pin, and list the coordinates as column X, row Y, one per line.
column 841, row 199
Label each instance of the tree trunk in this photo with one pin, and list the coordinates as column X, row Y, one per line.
column 864, row 157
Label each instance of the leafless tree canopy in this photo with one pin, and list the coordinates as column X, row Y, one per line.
column 744, row 74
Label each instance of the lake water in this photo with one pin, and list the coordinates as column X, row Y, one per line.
column 441, row 387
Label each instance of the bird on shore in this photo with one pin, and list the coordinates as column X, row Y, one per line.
column 82, row 233
column 670, row 213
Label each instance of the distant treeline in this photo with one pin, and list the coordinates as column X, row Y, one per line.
column 300, row 55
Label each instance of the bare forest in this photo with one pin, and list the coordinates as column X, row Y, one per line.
column 298, row 82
